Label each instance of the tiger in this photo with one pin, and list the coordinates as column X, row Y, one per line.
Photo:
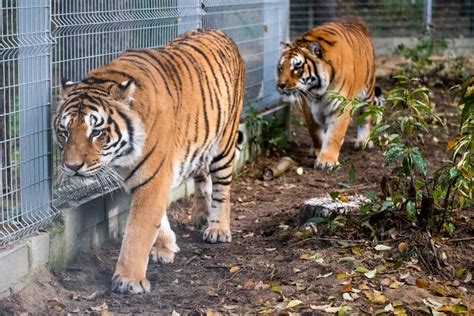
column 153, row 118
column 335, row 56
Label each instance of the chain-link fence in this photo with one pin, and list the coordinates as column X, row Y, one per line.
column 43, row 41
column 389, row 18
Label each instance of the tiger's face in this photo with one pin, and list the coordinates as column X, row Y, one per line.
column 302, row 71
column 96, row 131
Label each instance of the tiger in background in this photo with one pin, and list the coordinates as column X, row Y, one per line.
column 150, row 119
column 336, row 56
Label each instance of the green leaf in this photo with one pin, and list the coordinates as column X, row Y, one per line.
column 392, row 154
column 352, row 173
column 411, row 209
column 407, row 164
column 366, row 208
column 453, row 172
column 334, row 195
column 419, row 160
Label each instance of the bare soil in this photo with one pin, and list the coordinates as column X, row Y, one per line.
column 274, row 266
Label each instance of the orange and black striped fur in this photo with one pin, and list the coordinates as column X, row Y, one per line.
column 152, row 118
column 336, row 56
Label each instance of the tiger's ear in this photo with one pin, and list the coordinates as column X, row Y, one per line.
column 124, row 91
column 284, row 46
column 315, row 48
column 66, row 87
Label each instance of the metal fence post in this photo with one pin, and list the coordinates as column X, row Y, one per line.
column 427, row 15
column 34, row 80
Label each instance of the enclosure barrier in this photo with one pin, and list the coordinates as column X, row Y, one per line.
column 43, row 41
column 389, row 18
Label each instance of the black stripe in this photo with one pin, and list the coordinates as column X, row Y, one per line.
column 150, row 178
column 141, row 162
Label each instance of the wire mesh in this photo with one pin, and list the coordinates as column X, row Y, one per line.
column 257, row 27
column 43, row 41
column 388, row 18
column 24, row 118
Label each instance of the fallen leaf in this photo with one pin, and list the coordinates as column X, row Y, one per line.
column 98, row 308
column 395, row 284
column 375, row 298
column 212, row 293
column 234, row 269
column 344, row 199
column 346, row 288
column 399, row 311
column 460, row 272
column 294, row 303
column 356, row 251
column 324, row 275
column 468, row 277
column 248, row 284
column 340, row 275
column 371, row 274
column 326, row 308
column 90, row 297
column 389, row 308
column 276, row 289
column 361, row 269
column 347, row 297
column 381, row 247
column 346, row 259
column 421, row 283
column 402, row 246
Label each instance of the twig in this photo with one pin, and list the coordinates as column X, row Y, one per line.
column 329, row 239
column 434, row 251
column 189, row 260
column 462, row 239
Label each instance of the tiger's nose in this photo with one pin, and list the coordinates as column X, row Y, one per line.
column 74, row 167
column 281, row 86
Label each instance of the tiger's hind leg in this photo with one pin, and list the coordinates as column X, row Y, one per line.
column 202, row 200
column 218, row 219
column 165, row 245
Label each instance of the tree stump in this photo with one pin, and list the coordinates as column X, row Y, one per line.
column 327, row 207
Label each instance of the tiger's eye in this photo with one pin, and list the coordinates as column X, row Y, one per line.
column 96, row 132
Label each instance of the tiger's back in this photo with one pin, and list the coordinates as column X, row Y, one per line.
column 159, row 117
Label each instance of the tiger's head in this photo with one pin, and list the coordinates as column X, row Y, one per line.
column 302, row 71
column 97, row 129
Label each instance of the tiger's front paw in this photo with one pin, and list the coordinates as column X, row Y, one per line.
column 325, row 163
column 215, row 233
column 128, row 285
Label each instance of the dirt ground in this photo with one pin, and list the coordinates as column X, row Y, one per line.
column 274, row 266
